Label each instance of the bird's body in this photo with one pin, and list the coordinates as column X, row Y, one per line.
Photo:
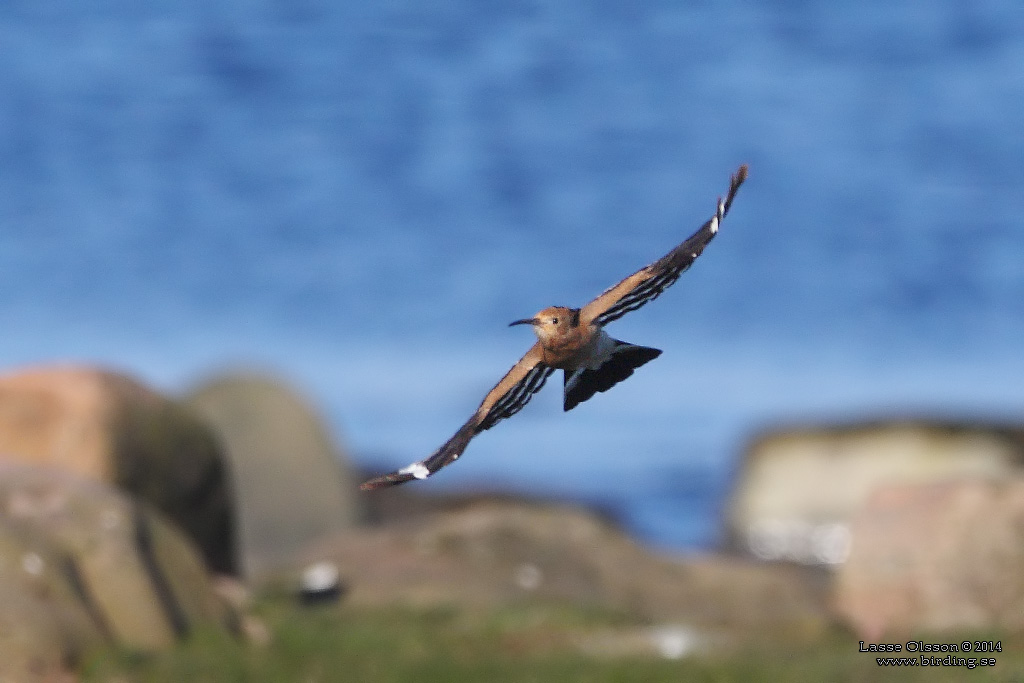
column 573, row 340
column 591, row 360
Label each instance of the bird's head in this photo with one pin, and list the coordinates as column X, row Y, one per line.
column 553, row 321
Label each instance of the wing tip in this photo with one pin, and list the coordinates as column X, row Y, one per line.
column 384, row 481
column 740, row 175
column 417, row 470
column 737, row 179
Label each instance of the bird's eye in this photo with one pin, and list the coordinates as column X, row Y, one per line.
column 554, row 321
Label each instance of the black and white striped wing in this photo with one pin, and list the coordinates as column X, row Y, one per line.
column 649, row 282
column 506, row 399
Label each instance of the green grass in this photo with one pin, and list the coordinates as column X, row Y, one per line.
column 533, row 643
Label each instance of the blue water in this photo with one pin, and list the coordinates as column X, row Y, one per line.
column 360, row 197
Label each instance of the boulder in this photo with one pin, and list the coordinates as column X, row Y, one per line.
column 45, row 628
column 292, row 484
column 936, row 557
column 142, row 583
column 110, row 428
column 798, row 488
column 501, row 552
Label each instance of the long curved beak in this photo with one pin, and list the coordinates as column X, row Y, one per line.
column 524, row 321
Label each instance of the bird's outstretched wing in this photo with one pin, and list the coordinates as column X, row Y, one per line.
column 649, row 282
column 505, row 400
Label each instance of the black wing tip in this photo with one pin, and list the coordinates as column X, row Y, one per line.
column 384, row 481
column 741, row 175
column 445, row 455
column 737, row 179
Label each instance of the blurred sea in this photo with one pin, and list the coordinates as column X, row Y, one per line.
column 360, row 196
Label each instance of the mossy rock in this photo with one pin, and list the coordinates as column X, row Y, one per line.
column 45, row 626
column 141, row 581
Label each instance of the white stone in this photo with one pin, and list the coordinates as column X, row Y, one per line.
column 320, row 576
column 528, row 576
column 32, row 564
column 673, row 642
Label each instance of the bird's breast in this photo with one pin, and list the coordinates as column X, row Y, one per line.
column 565, row 351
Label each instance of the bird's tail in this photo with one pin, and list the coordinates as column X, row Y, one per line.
column 584, row 382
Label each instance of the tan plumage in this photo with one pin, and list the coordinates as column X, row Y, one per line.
column 573, row 340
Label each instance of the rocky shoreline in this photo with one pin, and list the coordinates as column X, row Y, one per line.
column 131, row 518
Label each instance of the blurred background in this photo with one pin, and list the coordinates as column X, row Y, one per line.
column 360, row 196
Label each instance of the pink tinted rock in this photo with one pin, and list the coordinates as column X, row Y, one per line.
column 935, row 557
column 109, row 428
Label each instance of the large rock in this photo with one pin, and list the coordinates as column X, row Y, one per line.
column 45, row 627
column 491, row 553
column 292, row 484
column 140, row 580
column 105, row 426
column 936, row 557
column 799, row 488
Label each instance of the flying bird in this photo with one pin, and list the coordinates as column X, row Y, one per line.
column 573, row 340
